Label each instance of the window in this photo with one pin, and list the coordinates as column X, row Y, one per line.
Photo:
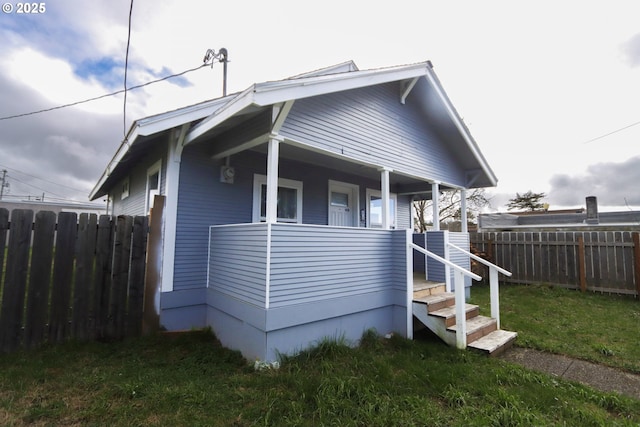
column 153, row 184
column 374, row 209
column 289, row 200
column 125, row 189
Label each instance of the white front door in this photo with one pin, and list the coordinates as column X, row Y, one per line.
column 343, row 208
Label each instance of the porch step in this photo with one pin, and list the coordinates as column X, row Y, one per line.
column 448, row 314
column 437, row 312
column 477, row 327
column 495, row 343
column 425, row 288
column 437, row 301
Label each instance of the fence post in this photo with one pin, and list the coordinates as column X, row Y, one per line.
column 636, row 261
column 582, row 272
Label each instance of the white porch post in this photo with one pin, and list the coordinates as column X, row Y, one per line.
column 386, row 217
column 435, row 198
column 272, row 178
column 172, row 183
column 463, row 211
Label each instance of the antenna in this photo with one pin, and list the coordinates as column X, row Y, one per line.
column 221, row 56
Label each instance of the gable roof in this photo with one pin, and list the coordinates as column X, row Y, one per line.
column 207, row 117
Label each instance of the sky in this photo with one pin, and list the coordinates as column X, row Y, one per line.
column 549, row 90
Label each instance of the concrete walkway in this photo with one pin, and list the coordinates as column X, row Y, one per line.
column 596, row 376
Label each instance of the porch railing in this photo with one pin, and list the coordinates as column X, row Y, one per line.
column 459, row 274
column 493, row 281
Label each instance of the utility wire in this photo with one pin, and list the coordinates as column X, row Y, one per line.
column 126, row 66
column 611, row 133
column 105, row 95
column 41, row 179
column 36, row 187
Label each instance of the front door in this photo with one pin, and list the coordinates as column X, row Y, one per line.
column 342, row 204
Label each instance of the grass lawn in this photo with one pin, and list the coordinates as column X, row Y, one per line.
column 190, row 380
column 595, row 327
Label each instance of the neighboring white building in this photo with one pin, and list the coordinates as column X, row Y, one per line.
column 57, row 207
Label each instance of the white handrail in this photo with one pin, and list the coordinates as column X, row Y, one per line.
column 494, row 289
column 482, row 260
column 459, row 273
column 445, row 261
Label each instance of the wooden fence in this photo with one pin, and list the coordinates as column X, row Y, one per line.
column 605, row 261
column 70, row 278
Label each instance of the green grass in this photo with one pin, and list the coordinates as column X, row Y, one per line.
column 594, row 327
column 190, row 380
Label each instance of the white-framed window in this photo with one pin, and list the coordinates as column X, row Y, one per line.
column 125, row 189
column 289, row 199
column 374, row 208
column 153, row 184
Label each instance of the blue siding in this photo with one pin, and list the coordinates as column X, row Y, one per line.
column 314, row 263
column 238, row 260
column 205, row 201
column 435, row 244
column 135, row 203
column 324, row 282
column 419, row 261
column 371, row 125
column 461, row 240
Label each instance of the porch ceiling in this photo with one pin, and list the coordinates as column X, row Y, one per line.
column 401, row 184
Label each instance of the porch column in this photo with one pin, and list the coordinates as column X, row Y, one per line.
column 272, row 177
column 463, row 211
column 385, row 193
column 435, row 198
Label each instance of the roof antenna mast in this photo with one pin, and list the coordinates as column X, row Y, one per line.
column 221, row 56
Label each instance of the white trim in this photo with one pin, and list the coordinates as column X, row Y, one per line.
column 435, row 204
column 154, row 124
column 464, row 226
column 258, row 181
column 392, row 196
column 433, row 80
column 409, row 273
column 355, row 194
column 156, row 167
column 172, row 185
column 267, row 293
column 406, row 90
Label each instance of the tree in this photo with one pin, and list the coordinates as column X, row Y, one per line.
column 449, row 208
column 528, row 201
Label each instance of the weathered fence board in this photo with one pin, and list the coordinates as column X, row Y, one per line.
column 598, row 261
column 40, row 273
column 136, row 278
column 15, row 281
column 69, row 277
column 62, row 275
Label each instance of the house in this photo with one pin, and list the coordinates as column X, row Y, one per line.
column 289, row 205
column 580, row 219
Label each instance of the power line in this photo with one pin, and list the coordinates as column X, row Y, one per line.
column 105, row 95
column 611, row 133
column 41, row 179
column 126, row 66
column 36, row 187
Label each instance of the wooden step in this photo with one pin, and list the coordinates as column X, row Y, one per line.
column 477, row 328
column 437, row 301
column 494, row 343
column 448, row 314
column 424, row 288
